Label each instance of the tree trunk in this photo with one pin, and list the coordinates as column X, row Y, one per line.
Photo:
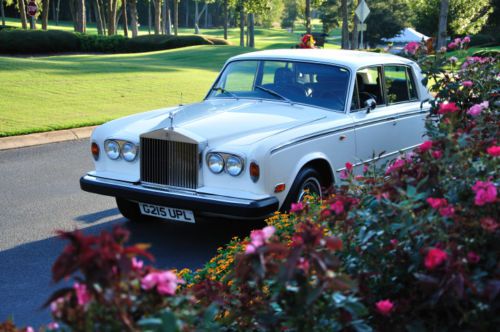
column 133, row 18
column 157, row 8
column 102, row 13
column 308, row 16
column 2, row 12
column 251, row 30
column 22, row 13
column 196, row 18
column 97, row 13
column 242, row 27
column 176, row 17
column 45, row 14
column 163, row 16
column 58, row 9
column 168, row 21
column 345, row 26
column 226, row 18
column 443, row 21
column 125, row 20
column 112, row 8
column 355, row 34
column 206, row 15
column 149, row 17
column 187, row 13
column 72, row 11
column 80, row 16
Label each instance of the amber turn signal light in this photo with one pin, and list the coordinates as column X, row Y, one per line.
column 279, row 187
column 254, row 171
column 94, row 148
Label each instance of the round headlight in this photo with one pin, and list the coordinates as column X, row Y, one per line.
column 112, row 149
column 215, row 163
column 234, row 165
column 129, row 151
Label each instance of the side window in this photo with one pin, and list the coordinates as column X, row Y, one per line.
column 399, row 84
column 241, row 76
column 355, row 97
column 369, row 86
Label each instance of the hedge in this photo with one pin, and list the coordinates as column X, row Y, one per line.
column 55, row 41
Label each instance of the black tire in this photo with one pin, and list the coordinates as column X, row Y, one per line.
column 308, row 178
column 128, row 209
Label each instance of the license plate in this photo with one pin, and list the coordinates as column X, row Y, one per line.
column 165, row 212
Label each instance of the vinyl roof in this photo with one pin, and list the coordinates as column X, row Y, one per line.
column 352, row 59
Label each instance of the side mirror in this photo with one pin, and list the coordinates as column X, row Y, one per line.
column 370, row 104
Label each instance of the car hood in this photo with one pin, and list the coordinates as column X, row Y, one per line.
column 239, row 121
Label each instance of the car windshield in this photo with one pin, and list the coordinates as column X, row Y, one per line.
column 295, row 82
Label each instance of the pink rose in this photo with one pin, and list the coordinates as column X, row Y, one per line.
column 493, row 150
column 478, row 108
column 411, row 47
column 398, row 163
column 437, row 154
column 343, row 174
column 338, row 207
column 457, row 41
column 447, row 211
column 394, row 242
column 297, row 207
column 437, row 203
column 365, row 168
column 425, row 146
column 473, row 258
column 467, row 84
column 486, row 192
column 466, row 40
column 489, row 224
column 303, row 264
column 137, row 264
column 447, row 108
column 434, row 258
column 258, row 238
column 384, row 307
column 82, row 295
column 165, row 281
column 452, row 46
column 348, row 166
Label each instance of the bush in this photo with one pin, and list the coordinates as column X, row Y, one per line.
column 484, row 40
column 487, row 53
column 29, row 41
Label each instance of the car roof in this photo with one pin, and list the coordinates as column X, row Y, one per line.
column 351, row 59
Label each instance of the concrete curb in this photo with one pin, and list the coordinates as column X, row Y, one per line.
column 21, row 141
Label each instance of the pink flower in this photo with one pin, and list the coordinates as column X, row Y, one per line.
column 434, row 258
column 384, row 307
column 394, row 242
column 398, row 163
column 486, row 192
column 343, row 174
column 258, row 238
column 467, row 84
column 452, row 46
column 447, row 211
column 478, row 108
column 447, row 108
column 52, row 326
column 489, row 224
column 437, row 154
column 297, row 207
column 165, row 281
column 493, row 150
column 457, row 41
column 29, row 329
column 348, row 166
column 412, row 47
column 466, row 40
column 137, row 264
column 427, row 145
column 82, row 295
column 437, row 203
column 473, row 258
column 365, row 168
column 453, row 59
column 303, row 264
column 338, row 207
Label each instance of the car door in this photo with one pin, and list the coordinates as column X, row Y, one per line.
column 375, row 128
column 404, row 103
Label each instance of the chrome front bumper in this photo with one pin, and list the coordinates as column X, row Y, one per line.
column 202, row 204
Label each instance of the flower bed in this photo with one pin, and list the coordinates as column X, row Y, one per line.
column 411, row 246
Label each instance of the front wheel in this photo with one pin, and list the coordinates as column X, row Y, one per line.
column 128, row 209
column 307, row 182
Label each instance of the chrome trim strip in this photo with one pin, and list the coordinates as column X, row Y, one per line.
column 174, row 192
column 335, row 131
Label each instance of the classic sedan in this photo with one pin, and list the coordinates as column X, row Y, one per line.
column 274, row 126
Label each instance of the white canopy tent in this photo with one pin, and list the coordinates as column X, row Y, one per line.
column 405, row 36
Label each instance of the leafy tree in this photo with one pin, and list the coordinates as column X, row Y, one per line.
column 290, row 14
column 386, row 19
column 464, row 16
column 330, row 15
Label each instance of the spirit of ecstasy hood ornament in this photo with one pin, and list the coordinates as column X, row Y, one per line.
column 171, row 117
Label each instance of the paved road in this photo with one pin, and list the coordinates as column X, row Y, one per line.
column 39, row 193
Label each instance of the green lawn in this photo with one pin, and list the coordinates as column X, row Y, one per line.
column 47, row 93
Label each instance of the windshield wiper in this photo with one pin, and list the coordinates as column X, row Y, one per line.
column 274, row 93
column 222, row 90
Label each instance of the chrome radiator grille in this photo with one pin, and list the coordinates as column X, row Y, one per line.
column 169, row 163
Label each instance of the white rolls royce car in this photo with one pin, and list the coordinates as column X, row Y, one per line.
column 274, row 125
